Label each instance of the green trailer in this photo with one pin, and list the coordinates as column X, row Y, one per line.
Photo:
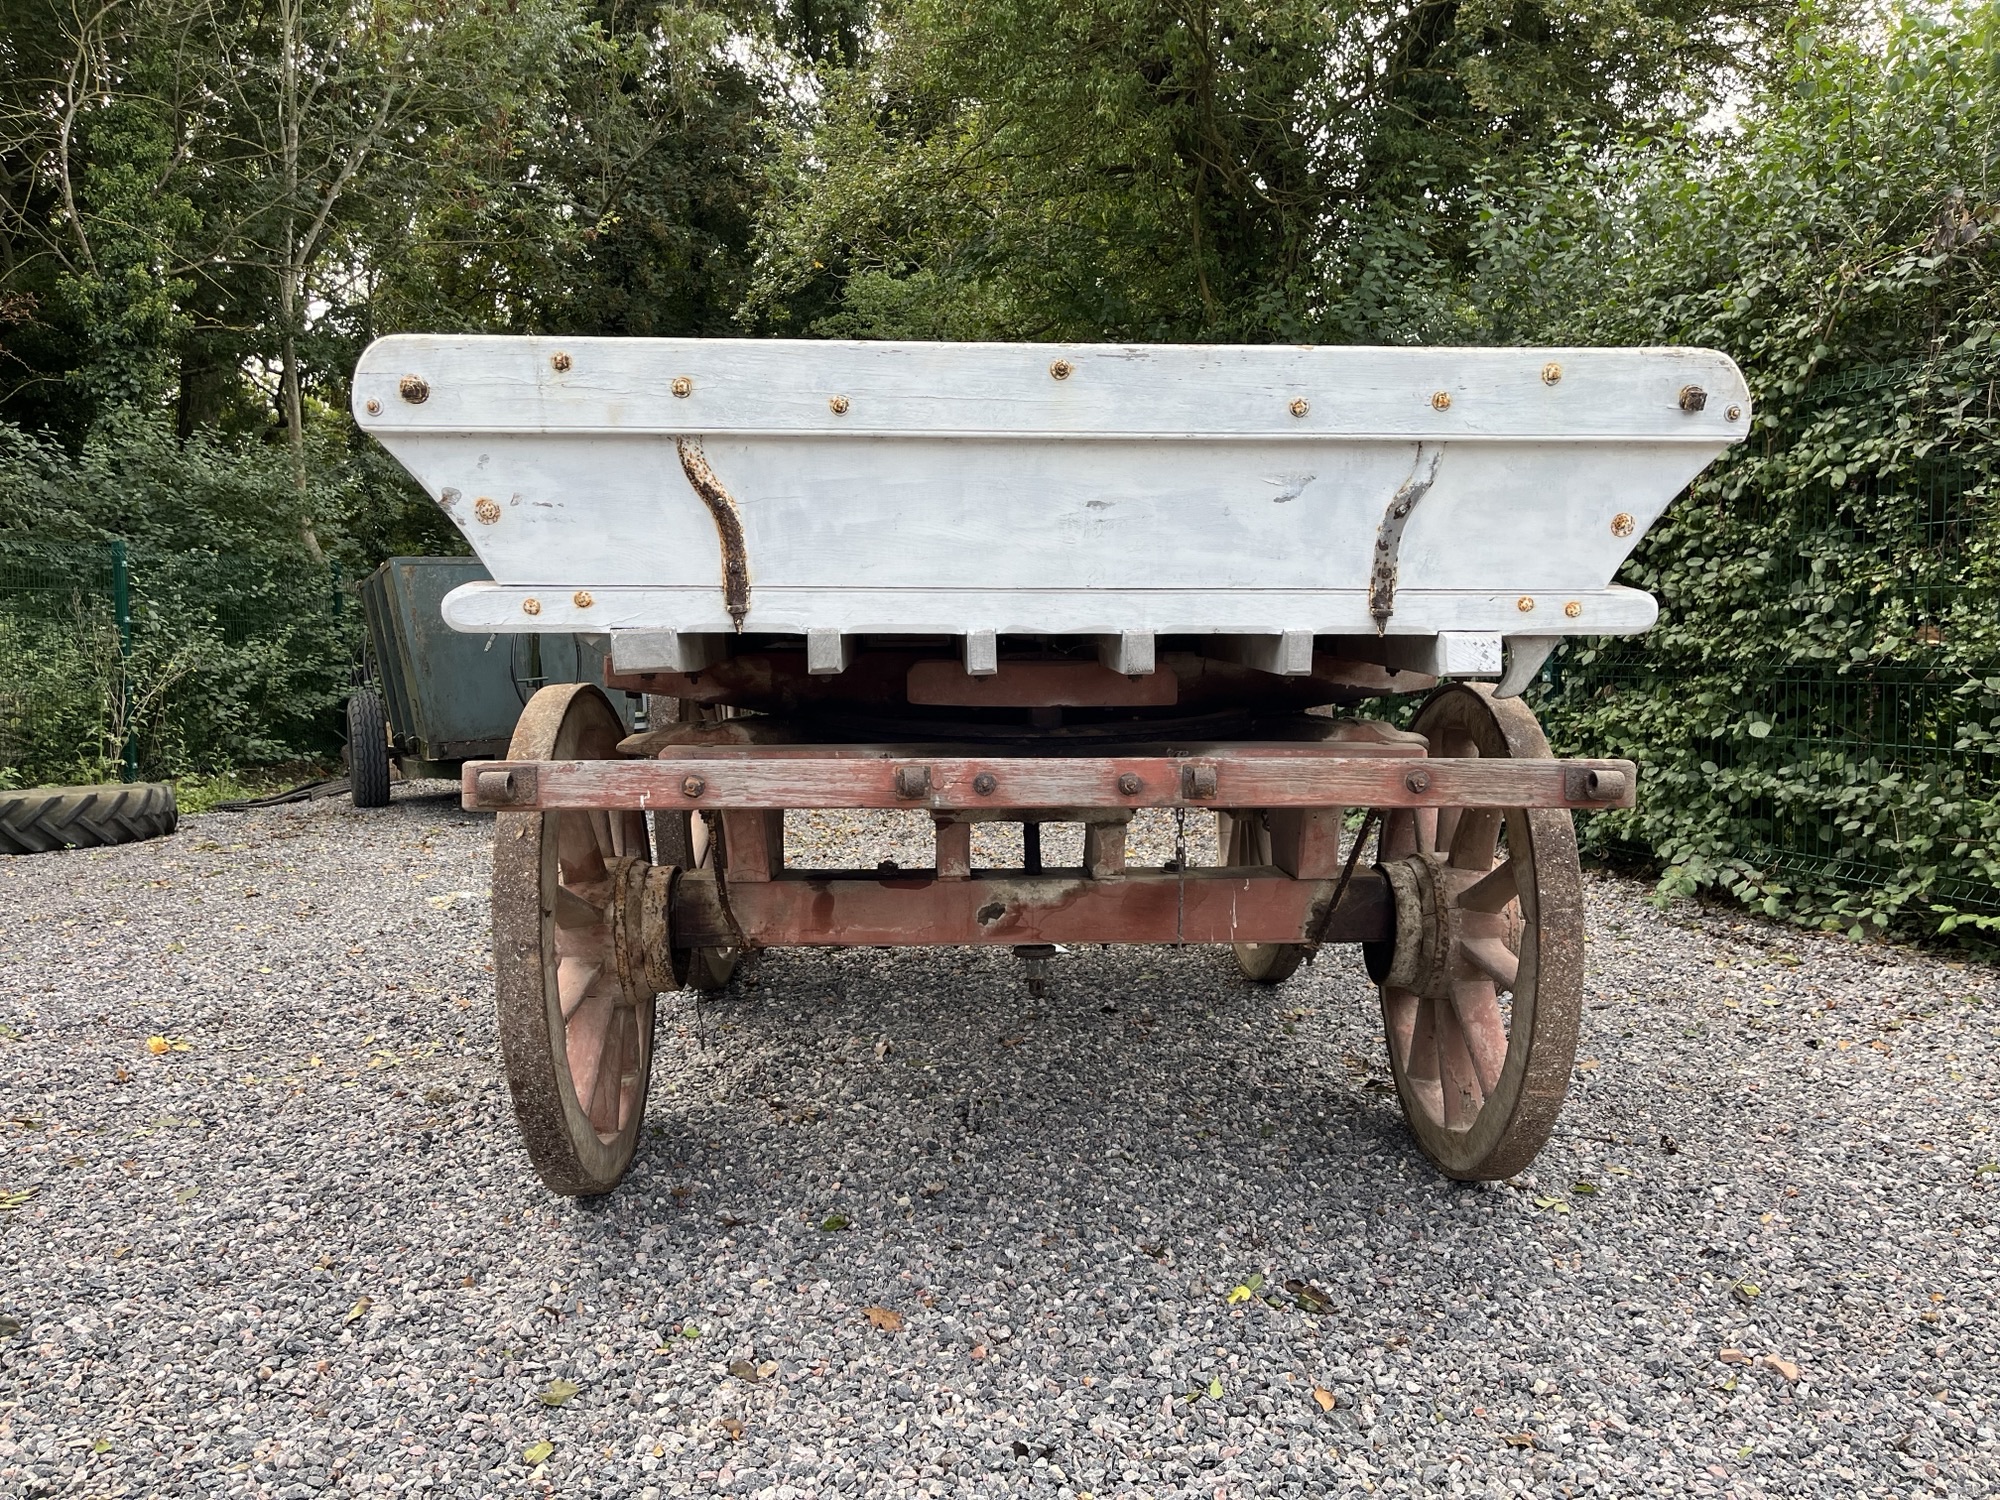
column 429, row 698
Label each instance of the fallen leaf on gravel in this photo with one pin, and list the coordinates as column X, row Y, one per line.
column 1619, row 1171
column 1324, row 1397
column 743, row 1369
column 1590, row 1065
column 1588, row 1189
column 1553, row 1205
column 102, row 1445
column 885, row 1318
column 1783, row 1366
column 1215, row 1387
column 360, row 1309
column 159, row 1046
column 1878, row 1045
column 1311, row 1298
column 1746, row 1291
column 536, row 1453
column 18, row 1198
column 1245, row 1290
column 733, row 1427
column 833, row 1222
column 558, row 1391
column 1733, row 1357
column 1985, row 1167
column 689, row 1331
column 1518, row 1439
column 182, row 1195
column 1842, row 1046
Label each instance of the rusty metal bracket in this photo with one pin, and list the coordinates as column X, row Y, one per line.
column 518, row 784
column 728, row 527
column 1389, row 536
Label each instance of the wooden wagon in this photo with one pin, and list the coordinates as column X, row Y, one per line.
column 1048, row 584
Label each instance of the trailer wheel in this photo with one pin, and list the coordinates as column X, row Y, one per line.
column 576, row 1033
column 1244, row 840
column 1485, row 979
column 367, row 749
column 44, row 819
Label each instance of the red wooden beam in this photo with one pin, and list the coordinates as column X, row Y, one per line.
column 827, row 908
column 1227, row 779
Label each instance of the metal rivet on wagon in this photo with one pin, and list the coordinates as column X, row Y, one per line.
column 1525, row 604
column 488, row 511
column 1552, row 373
column 1418, row 781
column 1573, row 608
column 531, row 606
column 1621, row 524
column 414, row 389
column 374, row 407
column 682, row 386
column 1735, row 414
column 559, row 362
column 984, row 783
column 582, row 599
column 1062, row 369
column 1441, row 400
column 838, row 406
column 1300, row 406
column 1130, row 785
column 693, row 786
column 1693, row 398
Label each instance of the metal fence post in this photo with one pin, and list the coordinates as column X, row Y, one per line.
column 121, row 606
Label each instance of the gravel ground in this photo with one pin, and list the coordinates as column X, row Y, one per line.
column 300, row 1253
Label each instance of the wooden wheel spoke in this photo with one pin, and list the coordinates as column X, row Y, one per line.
column 574, row 979
column 608, row 1082
column 1494, row 891
column 574, row 910
column 1477, row 1006
column 1493, row 958
column 1458, row 1081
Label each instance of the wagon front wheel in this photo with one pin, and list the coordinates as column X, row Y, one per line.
column 1484, row 981
column 576, row 1026
column 1244, row 839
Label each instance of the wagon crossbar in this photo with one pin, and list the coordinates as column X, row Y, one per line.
column 757, row 778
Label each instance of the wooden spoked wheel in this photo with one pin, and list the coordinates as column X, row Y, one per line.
column 1483, row 986
column 1244, row 840
column 576, row 1033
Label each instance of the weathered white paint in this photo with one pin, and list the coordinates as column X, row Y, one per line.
column 828, row 652
column 1131, row 652
column 663, row 650
column 964, row 490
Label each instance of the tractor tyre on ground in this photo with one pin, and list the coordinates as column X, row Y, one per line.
column 47, row 818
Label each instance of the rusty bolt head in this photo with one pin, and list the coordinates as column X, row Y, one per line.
column 531, row 606
column 1525, row 604
column 838, row 406
column 1441, row 400
column 374, row 407
column 1621, row 524
column 487, row 509
column 1735, row 414
column 1418, row 781
column 682, row 386
column 1552, row 373
column 1130, row 785
column 414, row 389
column 582, row 599
column 1300, row 406
column 1062, row 369
column 1573, row 608
column 559, row 362
column 984, row 783
column 1693, row 398
column 693, row 786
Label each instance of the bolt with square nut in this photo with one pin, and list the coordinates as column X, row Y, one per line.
column 984, row 783
column 1198, row 781
column 1130, row 785
column 913, row 781
column 693, row 786
column 1418, row 781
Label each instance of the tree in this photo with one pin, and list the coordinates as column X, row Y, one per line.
column 1210, row 169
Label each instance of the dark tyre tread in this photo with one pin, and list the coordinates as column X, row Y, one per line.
column 45, row 819
column 367, row 749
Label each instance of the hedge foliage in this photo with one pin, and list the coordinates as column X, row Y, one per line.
column 1818, row 708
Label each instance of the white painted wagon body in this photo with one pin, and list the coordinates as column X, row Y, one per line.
column 1011, row 489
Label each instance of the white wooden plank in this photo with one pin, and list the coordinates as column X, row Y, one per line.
column 982, row 653
column 1130, row 652
column 513, row 385
column 1449, row 653
column 663, row 650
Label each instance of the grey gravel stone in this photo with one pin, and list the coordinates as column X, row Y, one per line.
column 304, row 1255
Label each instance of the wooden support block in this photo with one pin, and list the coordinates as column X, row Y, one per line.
column 1130, row 654
column 1103, row 850
column 754, row 843
column 1449, row 653
column 1305, row 841
column 828, row 653
column 982, row 653
column 665, row 650
column 954, row 849
column 1286, row 655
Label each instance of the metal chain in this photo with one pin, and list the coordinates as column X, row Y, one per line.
column 1340, row 887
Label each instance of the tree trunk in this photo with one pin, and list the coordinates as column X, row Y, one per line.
column 291, row 276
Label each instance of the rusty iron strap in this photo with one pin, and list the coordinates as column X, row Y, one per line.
column 728, row 527
column 1389, row 536
column 1340, row 888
